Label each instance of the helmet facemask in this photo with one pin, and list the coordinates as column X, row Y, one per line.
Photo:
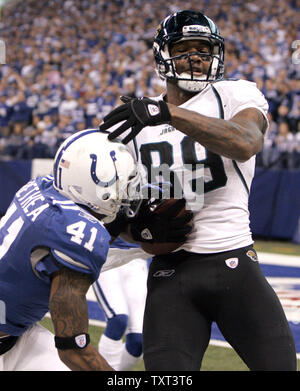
column 127, row 195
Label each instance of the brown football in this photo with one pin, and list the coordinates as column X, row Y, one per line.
column 167, row 247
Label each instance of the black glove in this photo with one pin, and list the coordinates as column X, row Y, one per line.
column 118, row 225
column 137, row 113
column 150, row 227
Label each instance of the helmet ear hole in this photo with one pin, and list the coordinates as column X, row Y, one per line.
column 105, row 196
column 162, row 68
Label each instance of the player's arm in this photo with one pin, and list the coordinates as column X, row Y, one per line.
column 239, row 138
column 69, row 313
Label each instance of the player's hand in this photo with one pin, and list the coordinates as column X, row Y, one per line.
column 150, row 227
column 137, row 113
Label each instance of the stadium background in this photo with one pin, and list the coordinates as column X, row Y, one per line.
column 67, row 63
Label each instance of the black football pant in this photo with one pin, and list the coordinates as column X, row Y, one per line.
column 187, row 292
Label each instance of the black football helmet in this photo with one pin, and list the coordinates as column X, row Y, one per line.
column 187, row 25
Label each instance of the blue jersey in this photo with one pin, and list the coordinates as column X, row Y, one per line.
column 40, row 231
column 122, row 244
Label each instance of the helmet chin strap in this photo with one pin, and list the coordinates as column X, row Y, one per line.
column 110, row 212
column 109, row 219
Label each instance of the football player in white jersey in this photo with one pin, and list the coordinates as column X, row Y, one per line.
column 210, row 129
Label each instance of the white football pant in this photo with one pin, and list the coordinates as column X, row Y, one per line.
column 122, row 290
column 34, row 351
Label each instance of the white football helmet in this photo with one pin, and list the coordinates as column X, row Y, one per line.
column 98, row 173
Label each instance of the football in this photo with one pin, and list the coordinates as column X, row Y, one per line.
column 167, row 247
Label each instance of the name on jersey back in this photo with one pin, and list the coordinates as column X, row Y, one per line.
column 31, row 200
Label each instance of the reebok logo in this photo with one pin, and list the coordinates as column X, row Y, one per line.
column 153, row 110
column 146, row 234
column 164, row 273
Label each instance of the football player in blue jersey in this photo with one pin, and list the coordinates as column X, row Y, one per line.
column 53, row 244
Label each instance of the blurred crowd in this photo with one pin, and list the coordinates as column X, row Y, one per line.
column 67, row 63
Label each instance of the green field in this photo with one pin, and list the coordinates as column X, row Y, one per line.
column 277, row 247
column 216, row 358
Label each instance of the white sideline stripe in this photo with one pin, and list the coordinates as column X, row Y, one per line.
column 217, row 342
column 99, row 323
column 278, row 259
column 284, row 280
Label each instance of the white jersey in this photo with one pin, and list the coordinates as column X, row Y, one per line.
column 221, row 217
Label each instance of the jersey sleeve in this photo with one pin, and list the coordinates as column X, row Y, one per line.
column 79, row 241
column 241, row 95
column 122, row 244
column 120, row 256
column 122, row 252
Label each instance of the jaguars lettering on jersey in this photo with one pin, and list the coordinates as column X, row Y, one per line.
column 216, row 188
column 41, row 231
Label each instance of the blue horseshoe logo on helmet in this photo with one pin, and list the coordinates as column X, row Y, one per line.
column 93, row 171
